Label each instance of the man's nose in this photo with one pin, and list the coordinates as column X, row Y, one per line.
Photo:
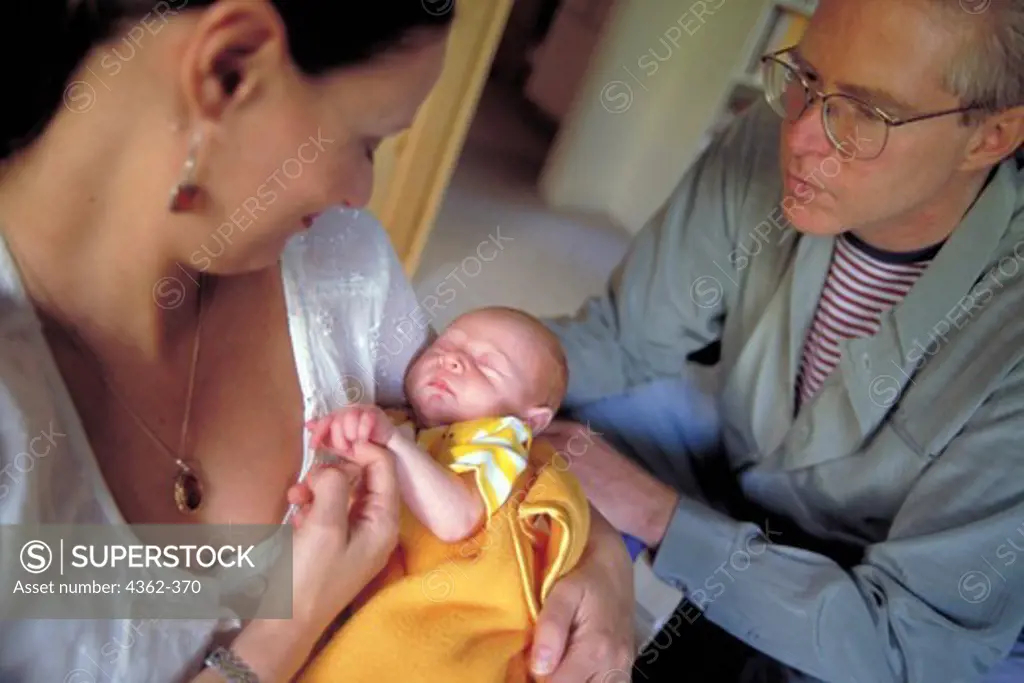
column 806, row 135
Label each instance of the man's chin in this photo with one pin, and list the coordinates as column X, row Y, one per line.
column 809, row 220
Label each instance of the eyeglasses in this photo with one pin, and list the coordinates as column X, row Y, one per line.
column 853, row 126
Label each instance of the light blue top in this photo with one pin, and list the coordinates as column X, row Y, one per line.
column 902, row 481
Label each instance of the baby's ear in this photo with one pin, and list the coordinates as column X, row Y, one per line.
column 538, row 418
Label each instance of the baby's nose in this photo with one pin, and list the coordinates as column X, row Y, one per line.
column 451, row 361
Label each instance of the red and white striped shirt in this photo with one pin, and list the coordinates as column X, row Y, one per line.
column 862, row 284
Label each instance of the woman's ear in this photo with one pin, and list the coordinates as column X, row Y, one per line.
column 538, row 418
column 237, row 46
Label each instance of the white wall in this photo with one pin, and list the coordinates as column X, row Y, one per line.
column 658, row 79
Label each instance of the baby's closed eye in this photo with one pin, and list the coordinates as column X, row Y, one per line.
column 492, row 365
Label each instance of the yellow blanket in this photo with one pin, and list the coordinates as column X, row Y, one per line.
column 464, row 612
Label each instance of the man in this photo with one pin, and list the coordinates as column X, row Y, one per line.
column 860, row 268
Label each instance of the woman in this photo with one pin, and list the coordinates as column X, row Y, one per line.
column 133, row 322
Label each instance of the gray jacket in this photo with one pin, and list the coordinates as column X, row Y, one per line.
column 905, row 474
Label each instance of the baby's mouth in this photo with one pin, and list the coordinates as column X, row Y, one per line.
column 441, row 385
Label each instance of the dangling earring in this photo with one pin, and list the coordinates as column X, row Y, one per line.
column 186, row 192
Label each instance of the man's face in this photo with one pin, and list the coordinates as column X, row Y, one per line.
column 893, row 55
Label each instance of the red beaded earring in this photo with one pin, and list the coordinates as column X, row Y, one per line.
column 185, row 193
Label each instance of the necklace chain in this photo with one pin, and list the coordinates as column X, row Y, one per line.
column 186, row 418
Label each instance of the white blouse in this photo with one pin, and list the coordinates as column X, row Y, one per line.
column 354, row 324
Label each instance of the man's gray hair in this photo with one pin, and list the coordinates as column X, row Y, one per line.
column 988, row 71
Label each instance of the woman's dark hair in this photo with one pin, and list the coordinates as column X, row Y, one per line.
column 322, row 35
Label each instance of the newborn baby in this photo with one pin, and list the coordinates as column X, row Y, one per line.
column 478, row 396
column 494, row 379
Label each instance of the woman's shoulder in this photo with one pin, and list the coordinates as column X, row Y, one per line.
column 34, row 444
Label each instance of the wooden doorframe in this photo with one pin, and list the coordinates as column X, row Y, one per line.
column 415, row 168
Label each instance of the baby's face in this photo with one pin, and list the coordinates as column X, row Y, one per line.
column 485, row 364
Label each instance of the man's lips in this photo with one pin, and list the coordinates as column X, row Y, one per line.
column 801, row 184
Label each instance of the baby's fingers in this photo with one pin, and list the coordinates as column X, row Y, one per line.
column 366, row 421
column 351, row 422
column 340, row 439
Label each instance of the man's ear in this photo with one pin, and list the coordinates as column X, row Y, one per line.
column 538, row 418
column 999, row 137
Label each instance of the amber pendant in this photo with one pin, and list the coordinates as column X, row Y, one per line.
column 188, row 491
column 184, row 197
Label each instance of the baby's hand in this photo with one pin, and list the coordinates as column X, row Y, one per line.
column 352, row 424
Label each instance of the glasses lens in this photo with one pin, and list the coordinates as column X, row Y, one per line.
column 856, row 130
column 783, row 89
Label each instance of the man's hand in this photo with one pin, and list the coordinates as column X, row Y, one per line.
column 585, row 629
column 633, row 501
column 354, row 424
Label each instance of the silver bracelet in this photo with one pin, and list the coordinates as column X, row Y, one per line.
column 230, row 666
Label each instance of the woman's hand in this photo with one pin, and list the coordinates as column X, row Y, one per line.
column 585, row 629
column 345, row 530
column 342, row 539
